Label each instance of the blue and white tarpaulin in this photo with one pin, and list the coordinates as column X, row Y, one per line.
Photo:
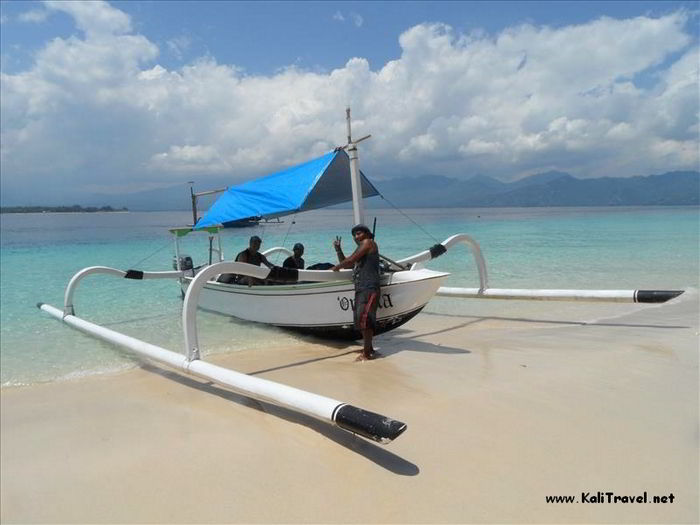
column 318, row 183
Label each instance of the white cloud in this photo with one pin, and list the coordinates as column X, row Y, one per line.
column 94, row 17
column 99, row 111
column 35, row 16
column 179, row 45
column 188, row 158
column 356, row 18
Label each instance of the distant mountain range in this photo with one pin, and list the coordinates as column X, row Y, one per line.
column 553, row 188
column 58, row 209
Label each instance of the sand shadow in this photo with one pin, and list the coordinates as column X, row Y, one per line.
column 406, row 340
column 300, row 363
column 375, row 453
column 307, row 337
column 385, row 347
column 442, row 330
column 411, row 344
column 337, row 343
column 387, row 344
column 550, row 321
column 137, row 319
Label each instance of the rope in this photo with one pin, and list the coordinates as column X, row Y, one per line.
column 291, row 223
column 149, row 256
column 409, row 218
column 261, row 225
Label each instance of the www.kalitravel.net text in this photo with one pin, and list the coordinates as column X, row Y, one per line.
column 610, row 497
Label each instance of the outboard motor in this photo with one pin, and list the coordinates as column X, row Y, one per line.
column 185, row 262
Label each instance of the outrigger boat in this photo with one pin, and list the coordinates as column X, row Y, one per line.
column 298, row 299
column 313, row 300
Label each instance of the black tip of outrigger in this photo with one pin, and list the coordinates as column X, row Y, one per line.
column 655, row 296
column 39, row 305
column 368, row 424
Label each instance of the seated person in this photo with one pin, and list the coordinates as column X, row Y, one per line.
column 295, row 261
column 250, row 255
column 321, row 266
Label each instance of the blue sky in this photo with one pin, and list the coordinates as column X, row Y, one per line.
column 262, row 37
column 120, row 96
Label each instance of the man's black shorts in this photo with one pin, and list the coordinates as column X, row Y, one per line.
column 365, row 313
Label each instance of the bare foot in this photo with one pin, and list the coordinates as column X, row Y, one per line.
column 373, row 354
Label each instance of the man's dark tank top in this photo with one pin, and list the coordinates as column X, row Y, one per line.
column 255, row 258
column 365, row 274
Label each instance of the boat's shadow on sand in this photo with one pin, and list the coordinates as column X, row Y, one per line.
column 375, row 453
column 387, row 344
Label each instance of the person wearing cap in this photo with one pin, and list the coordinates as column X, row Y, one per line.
column 295, row 261
column 252, row 255
column 365, row 263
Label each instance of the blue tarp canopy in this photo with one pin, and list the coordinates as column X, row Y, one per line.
column 315, row 184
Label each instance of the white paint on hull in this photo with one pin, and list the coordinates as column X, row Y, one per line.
column 312, row 305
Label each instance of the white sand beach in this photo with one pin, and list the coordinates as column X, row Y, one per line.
column 502, row 411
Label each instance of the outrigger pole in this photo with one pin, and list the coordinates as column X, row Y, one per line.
column 348, row 417
column 485, row 292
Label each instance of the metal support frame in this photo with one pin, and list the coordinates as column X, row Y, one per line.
column 68, row 308
column 348, row 417
column 448, row 243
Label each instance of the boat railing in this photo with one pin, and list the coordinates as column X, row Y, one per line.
column 391, row 264
column 189, row 307
column 278, row 249
column 68, row 308
column 438, row 249
column 415, row 261
column 484, row 292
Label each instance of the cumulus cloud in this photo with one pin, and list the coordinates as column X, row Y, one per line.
column 98, row 110
column 95, row 17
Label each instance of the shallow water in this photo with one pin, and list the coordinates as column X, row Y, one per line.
column 589, row 248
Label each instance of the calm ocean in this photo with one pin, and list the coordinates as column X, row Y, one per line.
column 594, row 248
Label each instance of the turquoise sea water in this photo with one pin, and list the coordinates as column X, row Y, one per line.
column 590, row 248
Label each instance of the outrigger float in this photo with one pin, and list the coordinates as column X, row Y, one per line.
column 317, row 301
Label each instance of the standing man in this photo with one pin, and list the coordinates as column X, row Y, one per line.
column 365, row 274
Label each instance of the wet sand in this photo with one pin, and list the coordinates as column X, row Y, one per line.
column 502, row 411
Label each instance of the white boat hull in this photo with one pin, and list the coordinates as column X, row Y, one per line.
column 323, row 308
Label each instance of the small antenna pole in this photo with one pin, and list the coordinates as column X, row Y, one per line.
column 194, row 203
